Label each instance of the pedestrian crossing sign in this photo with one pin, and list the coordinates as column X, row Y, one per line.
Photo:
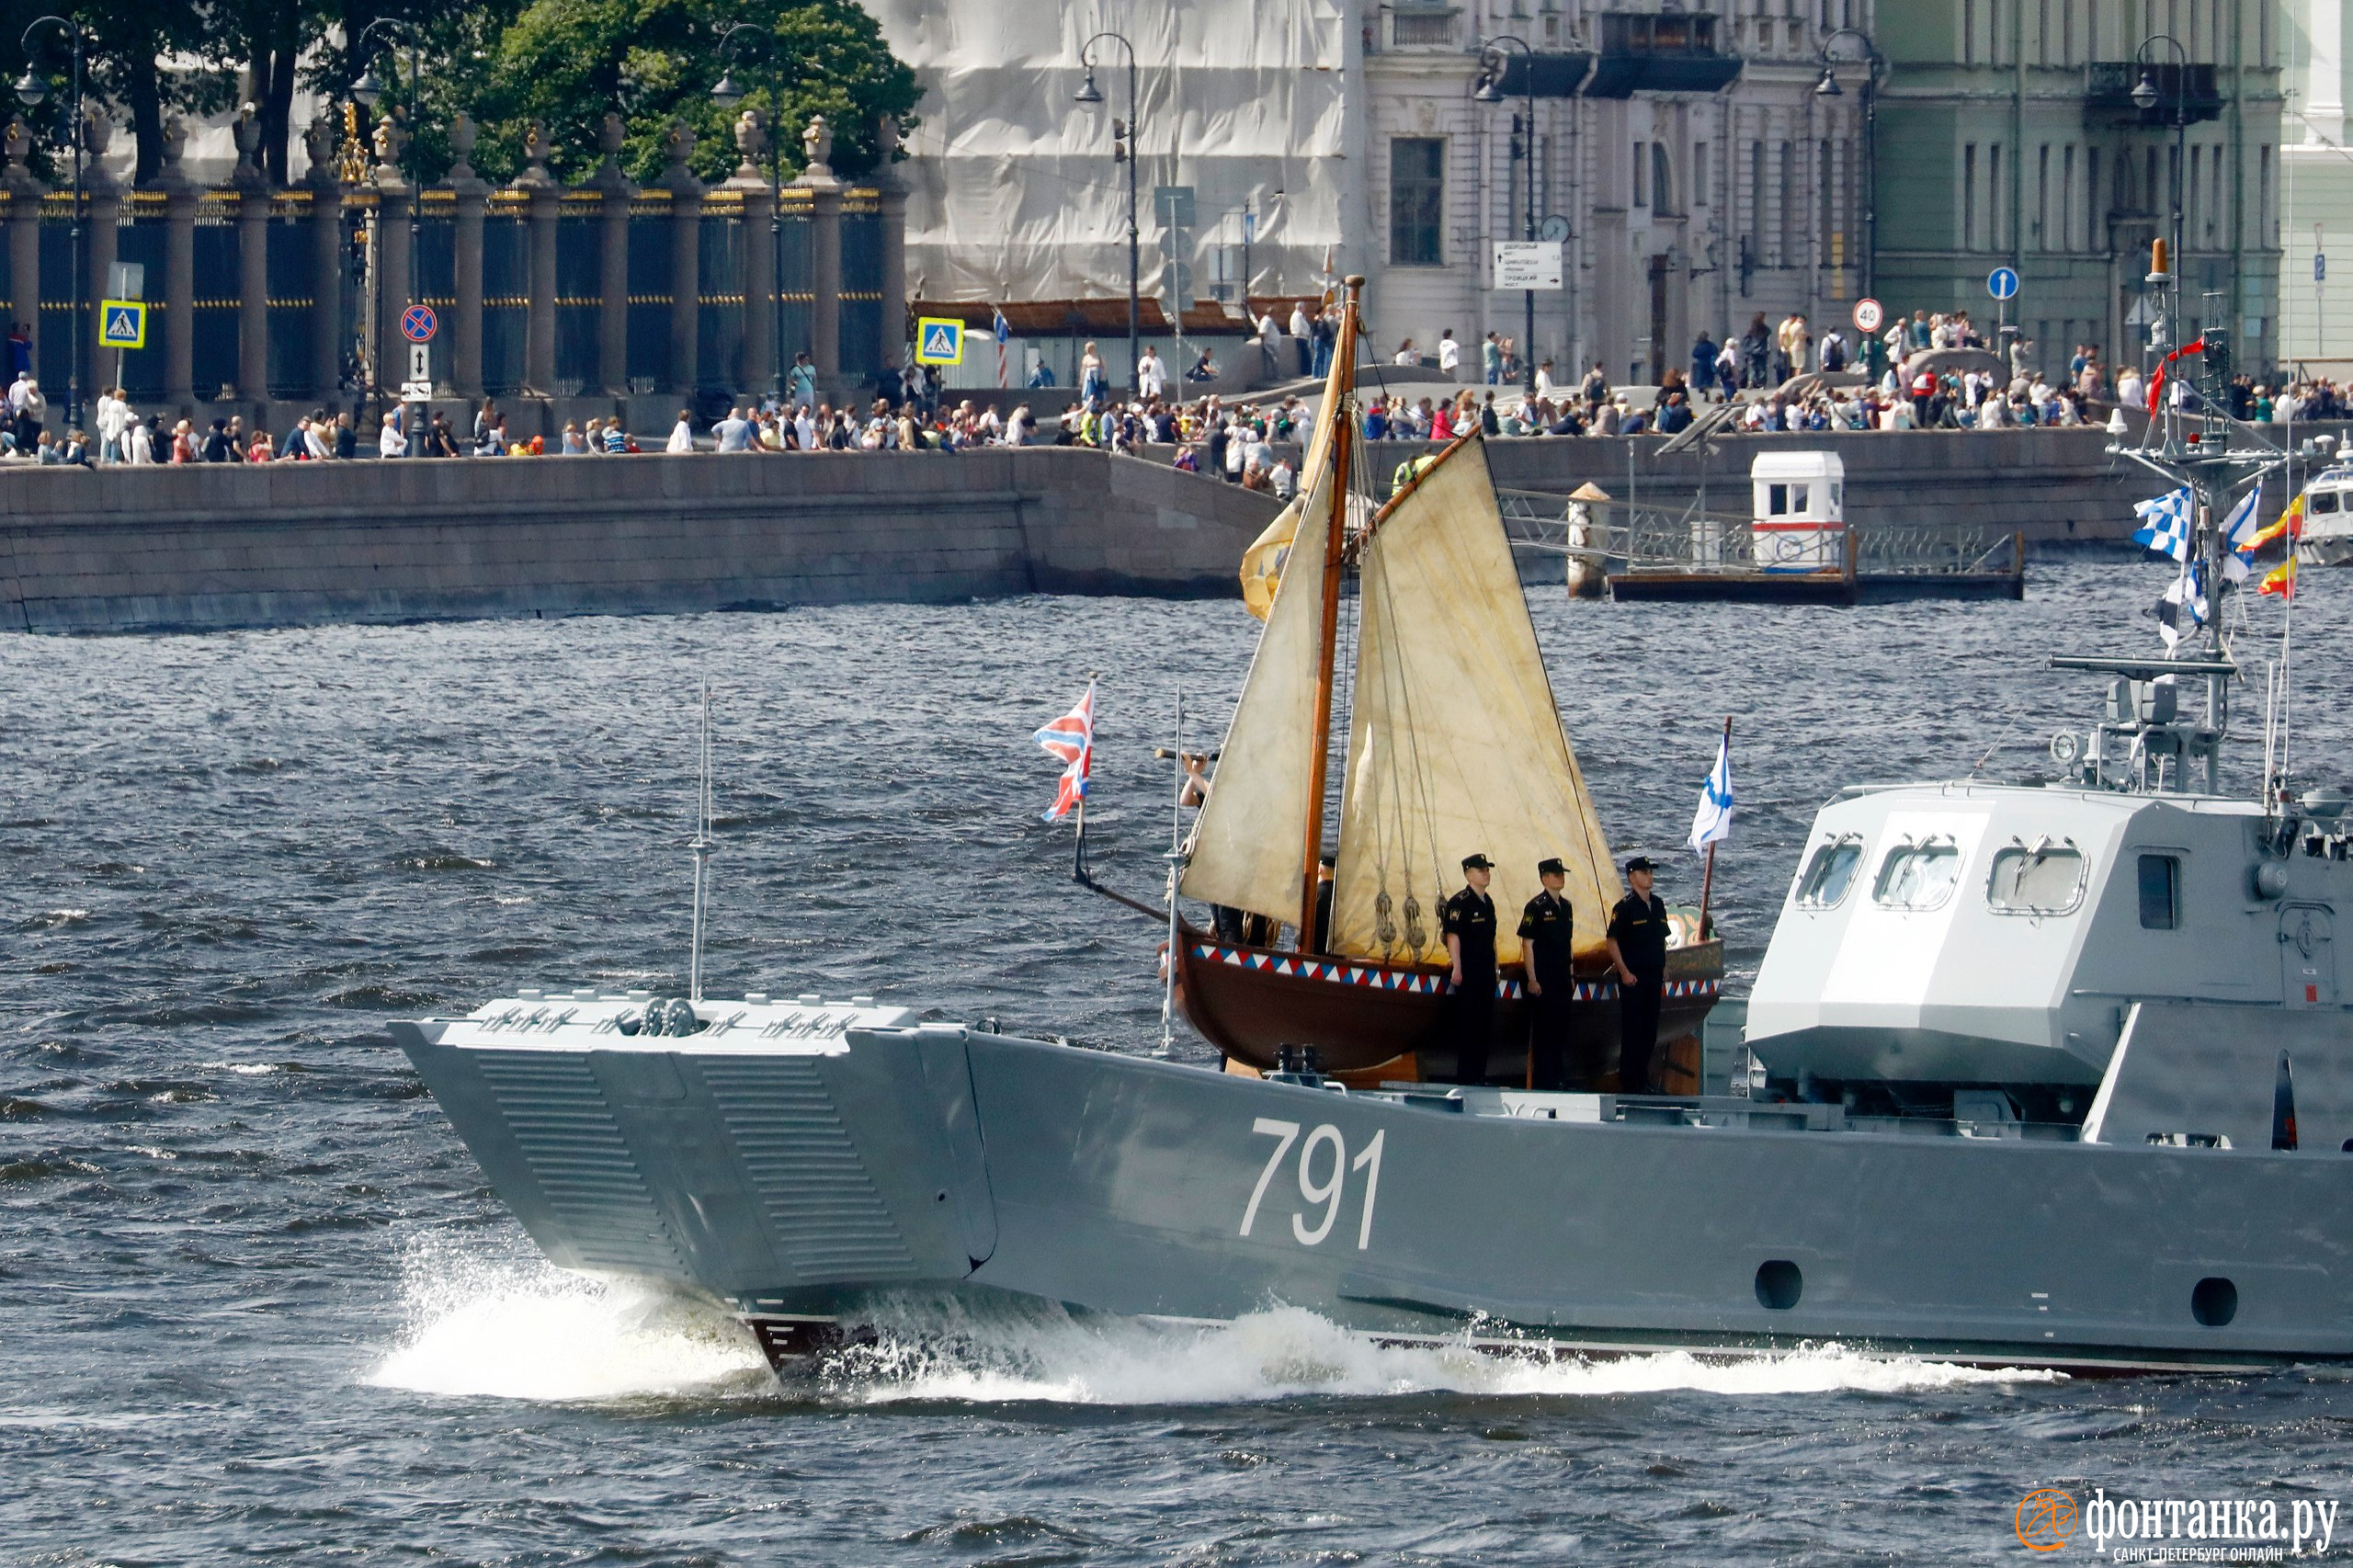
column 123, row 324
column 940, row 340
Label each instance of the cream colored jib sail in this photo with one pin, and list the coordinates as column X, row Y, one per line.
column 1455, row 745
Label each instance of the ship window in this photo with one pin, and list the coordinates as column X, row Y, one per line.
column 1777, row 500
column 1797, row 497
column 1919, row 876
column 2160, row 893
column 2323, row 501
column 1830, row 873
column 2036, row 880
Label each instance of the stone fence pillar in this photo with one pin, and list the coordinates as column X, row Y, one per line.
column 101, row 239
column 756, row 368
column 326, row 259
column 24, row 194
column 891, row 203
column 465, row 324
column 615, row 191
column 686, row 260
column 394, row 201
column 541, row 194
column 825, row 255
column 180, row 196
column 253, row 263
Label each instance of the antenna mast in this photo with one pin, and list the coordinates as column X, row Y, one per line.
column 700, row 848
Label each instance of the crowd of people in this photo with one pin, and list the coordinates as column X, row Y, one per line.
column 1785, row 377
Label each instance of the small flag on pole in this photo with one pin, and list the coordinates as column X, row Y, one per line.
column 1712, row 824
column 2281, row 579
column 2165, row 523
column 1072, row 738
column 2238, row 535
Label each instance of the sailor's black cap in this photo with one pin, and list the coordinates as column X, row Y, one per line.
column 1477, row 863
column 1551, row 867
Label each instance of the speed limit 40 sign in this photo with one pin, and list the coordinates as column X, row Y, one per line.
column 1868, row 315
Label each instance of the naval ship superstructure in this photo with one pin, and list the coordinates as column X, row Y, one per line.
column 2045, row 1071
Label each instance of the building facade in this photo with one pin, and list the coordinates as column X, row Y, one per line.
column 2316, row 191
column 1695, row 175
column 1682, row 149
column 2011, row 135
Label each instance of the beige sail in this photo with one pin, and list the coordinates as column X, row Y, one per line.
column 1248, row 844
column 1262, row 563
column 1455, row 745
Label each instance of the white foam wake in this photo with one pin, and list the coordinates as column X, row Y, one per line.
column 519, row 1328
column 499, row 1326
column 1285, row 1352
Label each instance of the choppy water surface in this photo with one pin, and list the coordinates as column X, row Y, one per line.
column 256, row 1302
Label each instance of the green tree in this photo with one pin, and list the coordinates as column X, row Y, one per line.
column 568, row 63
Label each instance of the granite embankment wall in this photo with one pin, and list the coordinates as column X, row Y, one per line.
column 125, row 550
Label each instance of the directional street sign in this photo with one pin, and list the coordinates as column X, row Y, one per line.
column 417, row 323
column 1174, row 204
column 1527, row 264
column 420, row 363
column 940, row 340
column 1868, row 315
column 2320, row 267
column 127, row 281
column 123, row 324
column 416, row 391
column 2002, row 283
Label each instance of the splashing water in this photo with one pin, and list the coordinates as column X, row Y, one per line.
column 519, row 1328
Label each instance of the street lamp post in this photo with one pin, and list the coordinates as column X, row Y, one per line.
column 1874, row 70
column 2146, row 96
column 1124, row 149
column 366, row 90
column 1523, row 147
column 727, row 94
column 32, row 90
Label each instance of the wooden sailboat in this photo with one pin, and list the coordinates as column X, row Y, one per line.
column 1454, row 744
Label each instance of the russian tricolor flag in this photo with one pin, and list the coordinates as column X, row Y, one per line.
column 1072, row 738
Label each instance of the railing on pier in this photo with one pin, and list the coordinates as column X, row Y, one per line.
column 1629, row 540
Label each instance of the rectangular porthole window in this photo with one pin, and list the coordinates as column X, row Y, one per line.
column 2160, row 893
column 2323, row 501
column 1830, row 873
column 2037, row 879
column 1777, row 500
column 1917, row 876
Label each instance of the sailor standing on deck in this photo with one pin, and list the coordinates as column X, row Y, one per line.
column 1638, row 948
column 1469, row 921
column 1546, row 927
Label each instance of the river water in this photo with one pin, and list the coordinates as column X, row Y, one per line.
column 256, row 1302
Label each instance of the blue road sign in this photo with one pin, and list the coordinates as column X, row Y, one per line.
column 2002, row 283
column 2320, row 267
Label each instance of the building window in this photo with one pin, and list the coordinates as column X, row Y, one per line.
column 1994, row 225
column 2067, row 197
column 1968, row 32
column 1969, row 197
column 1411, row 28
column 2093, row 239
column 2067, row 32
column 2266, row 235
column 2042, row 237
column 1641, row 174
column 1789, row 206
column 2190, row 202
column 2043, row 33
column 1757, row 200
column 2160, row 893
column 1662, row 179
column 1417, row 200
column 1699, row 174
column 1824, row 176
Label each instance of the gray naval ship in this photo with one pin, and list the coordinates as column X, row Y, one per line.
column 2051, row 1072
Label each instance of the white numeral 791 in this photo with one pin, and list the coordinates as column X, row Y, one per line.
column 1330, row 1190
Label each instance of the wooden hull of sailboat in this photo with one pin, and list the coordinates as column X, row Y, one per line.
column 1249, row 1002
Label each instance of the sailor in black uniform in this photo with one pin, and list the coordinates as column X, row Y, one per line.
column 1469, row 921
column 1638, row 948
column 1546, row 927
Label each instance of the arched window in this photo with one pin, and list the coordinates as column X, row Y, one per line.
column 1662, row 181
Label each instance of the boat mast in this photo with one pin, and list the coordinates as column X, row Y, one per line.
column 1342, row 426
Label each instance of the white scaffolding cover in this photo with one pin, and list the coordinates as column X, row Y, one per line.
column 1014, row 192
